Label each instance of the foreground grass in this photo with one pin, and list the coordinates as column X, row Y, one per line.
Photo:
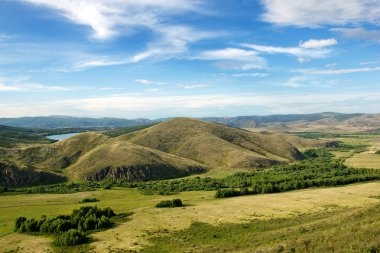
column 338, row 231
column 146, row 220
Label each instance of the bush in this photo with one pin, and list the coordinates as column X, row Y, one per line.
column 88, row 200
column 170, row 203
column 377, row 152
column 72, row 237
column 69, row 229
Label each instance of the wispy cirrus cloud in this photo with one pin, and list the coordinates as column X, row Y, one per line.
column 149, row 105
column 23, row 84
column 314, row 13
column 234, row 58
column 339, row 71
column 108, row 19
column 304, row 51
column 191, row 85
column 359, row 33
column 149, row 82
column 111, row 18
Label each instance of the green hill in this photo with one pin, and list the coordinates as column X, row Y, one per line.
column 121, row 160
column 13, row 136
column 171, row 149
column 214, row 144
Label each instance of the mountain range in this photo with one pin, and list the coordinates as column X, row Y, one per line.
column 323, row 122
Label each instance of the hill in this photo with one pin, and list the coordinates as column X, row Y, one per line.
column 13, row 136
column 214, row 144
column 115, row 160
column 323, row 122
column 171, row 149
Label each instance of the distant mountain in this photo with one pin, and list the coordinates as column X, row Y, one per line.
column 262, row 121
column 327, row 121
column 71, row 122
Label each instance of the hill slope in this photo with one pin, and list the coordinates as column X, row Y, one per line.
column 214, row 144
column 175, row 148
column 115, row 160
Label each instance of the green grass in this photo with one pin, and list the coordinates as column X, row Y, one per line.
column 338, row 231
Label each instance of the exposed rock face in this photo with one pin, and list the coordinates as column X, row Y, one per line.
column 12, row 176
column 140, row 173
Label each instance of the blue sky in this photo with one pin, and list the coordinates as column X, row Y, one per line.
column 166, row 58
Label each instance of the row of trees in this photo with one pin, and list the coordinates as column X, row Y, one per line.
column 69, row 229
column 319, row 169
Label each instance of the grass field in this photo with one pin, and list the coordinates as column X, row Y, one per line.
column 147, row 220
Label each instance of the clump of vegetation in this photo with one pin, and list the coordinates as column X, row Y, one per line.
column 89, row 200
column 170, row 203
column 319, row 169
column 377, row 152
column 72, row 237
column 57, row 188
column 69, row 230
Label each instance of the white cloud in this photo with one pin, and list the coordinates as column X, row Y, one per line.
column 172, row 41
column 149, row 105
column 250, row 75
column 191, row 86
column 152, row 90
column 148, row 82
column 318, row 43
column 296, row 82
column 305, row 50
column 234, row 58
column 21, row 84
column 314, row 13
column 97, row 63
column 359, row 33
column 339, row 71
column 110, row 18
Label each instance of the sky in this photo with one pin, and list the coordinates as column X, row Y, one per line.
column 196, row 58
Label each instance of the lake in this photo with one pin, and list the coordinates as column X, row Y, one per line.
column 60, row 137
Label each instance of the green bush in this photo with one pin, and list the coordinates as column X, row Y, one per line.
column 377, row 152
column 69, row 229
column 71, row 237
column 88, row 200
column 170, row 203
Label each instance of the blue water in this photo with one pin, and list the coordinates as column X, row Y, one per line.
column 60, row 137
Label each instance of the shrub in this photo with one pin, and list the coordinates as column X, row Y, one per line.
column 377, row 152
column 69, row 229
column 88, row 200
column 72, row 237
column 170, row 203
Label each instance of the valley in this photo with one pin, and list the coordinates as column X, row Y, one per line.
column 121, row 164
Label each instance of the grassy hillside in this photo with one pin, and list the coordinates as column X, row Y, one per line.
column 337, row 231
column 214, row 144
column 14, row 176
column 171, row 149
column 13, row 136
column 116, row 160
column 60, row 155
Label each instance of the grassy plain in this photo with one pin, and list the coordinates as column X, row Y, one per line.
column 148, row 221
